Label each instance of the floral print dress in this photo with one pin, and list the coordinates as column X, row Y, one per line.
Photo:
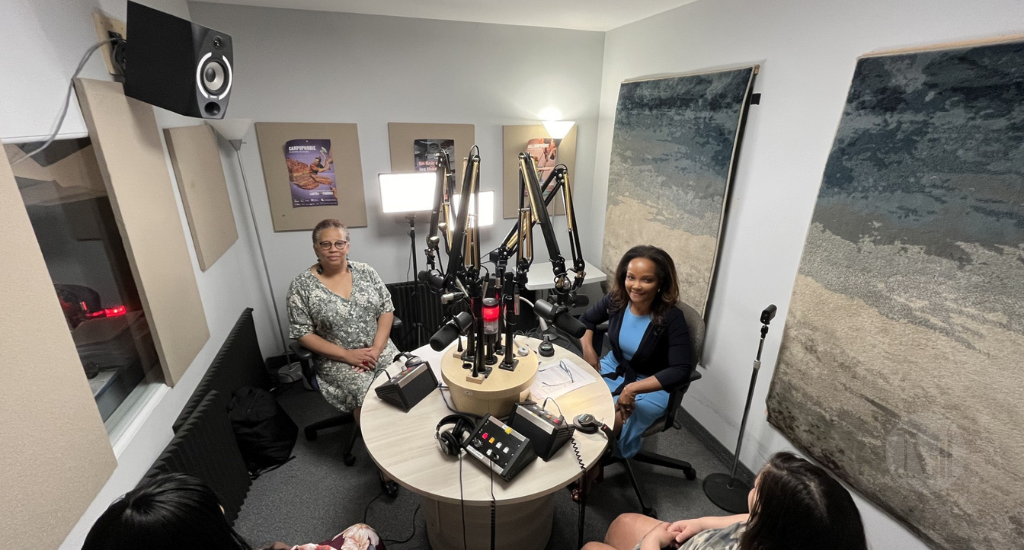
column 350, row 323
column 357, row 537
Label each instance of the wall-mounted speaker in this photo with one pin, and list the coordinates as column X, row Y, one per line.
column 176, row 64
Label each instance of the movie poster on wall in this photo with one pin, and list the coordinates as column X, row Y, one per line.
column 311, row 172
column 425, row 153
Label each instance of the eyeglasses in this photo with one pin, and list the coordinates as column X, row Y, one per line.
column 326, row 245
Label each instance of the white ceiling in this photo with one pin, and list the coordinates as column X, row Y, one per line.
column 589, row 15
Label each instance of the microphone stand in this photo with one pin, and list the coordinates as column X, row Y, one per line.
column 725, row 491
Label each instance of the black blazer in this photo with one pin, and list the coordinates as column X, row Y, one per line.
column 665, row 351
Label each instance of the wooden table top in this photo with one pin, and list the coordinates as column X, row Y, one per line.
column 403, row 445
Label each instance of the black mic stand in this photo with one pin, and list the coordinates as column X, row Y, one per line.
column 417, row 325
column 727, row 492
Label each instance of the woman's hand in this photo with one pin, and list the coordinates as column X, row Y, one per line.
column 375, row 353
column 361, row 359
column 627, row 402
column 685, row 529
column 659, row 537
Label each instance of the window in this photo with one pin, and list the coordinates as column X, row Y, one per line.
column 67, row 203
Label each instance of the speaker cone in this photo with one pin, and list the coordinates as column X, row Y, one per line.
column 214, row 76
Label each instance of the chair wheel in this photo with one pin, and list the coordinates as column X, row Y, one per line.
column 651, row 513
column 310, row 434
column 348, row 460
column 690, row 473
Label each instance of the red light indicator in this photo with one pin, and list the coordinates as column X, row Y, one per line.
column 491, row 313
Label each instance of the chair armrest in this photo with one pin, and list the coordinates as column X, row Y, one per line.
column 396, row 324
column 300, row 351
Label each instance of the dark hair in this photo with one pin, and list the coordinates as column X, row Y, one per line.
column 800, row 507
column 170, row 512
column 664, row 269
column 325, row 224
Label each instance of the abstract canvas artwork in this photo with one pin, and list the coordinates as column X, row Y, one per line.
column 901, row 363
column 673, row 154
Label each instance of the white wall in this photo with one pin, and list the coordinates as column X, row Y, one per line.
column 807, row 50
column 40, row 54
column 297, row 66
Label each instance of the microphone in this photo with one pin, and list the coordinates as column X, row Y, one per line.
column 451, row 330
column 768, row 314
column 451, row 297
column 432, row 277
column 560, row 317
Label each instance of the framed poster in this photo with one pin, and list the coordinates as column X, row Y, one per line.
column 313, row 171
column 534, row 139
column 414, row 145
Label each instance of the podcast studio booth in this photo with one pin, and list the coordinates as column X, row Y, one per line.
column 199, row 246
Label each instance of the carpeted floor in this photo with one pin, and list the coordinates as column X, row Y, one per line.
column 315, row 496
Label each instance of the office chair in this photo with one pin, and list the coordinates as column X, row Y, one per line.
column 309, row 375
column 695, row 325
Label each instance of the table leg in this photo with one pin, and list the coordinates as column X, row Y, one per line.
column 520, row 526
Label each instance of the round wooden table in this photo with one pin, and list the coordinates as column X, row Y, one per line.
column 403, row 446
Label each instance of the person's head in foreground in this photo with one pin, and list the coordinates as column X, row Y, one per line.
column 796, row 505
column 170, row 512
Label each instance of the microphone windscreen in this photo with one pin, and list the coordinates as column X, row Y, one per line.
column 570, row 324
column 544, row 309
column 443, row 337
column 464, row 320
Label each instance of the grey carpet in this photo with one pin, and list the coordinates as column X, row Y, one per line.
column 315, row 496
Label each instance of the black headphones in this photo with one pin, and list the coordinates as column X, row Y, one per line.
column 451, row 441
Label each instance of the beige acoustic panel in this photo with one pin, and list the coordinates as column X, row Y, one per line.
column 514, row 141
column 58, row 456
column 134, row 168
column 348, row 174
column 402, row 136
column 204, row 192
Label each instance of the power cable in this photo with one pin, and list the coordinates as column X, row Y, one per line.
column 67, row 98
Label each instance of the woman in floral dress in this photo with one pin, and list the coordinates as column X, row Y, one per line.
column 341, row 310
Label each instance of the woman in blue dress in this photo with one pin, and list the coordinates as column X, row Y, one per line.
column 651, row 351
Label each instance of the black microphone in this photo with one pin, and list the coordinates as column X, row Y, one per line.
column 768, row 314
column 451, row 330
column 432, row 277
column 560, row 317
column 569, row 324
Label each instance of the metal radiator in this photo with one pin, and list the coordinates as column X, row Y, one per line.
column 414, row 303
column 238, row 363
column 204, row 447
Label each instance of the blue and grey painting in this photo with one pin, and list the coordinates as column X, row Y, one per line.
column 900, row 367
column 672, row 154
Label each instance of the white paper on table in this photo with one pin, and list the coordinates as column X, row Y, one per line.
column 557, row 378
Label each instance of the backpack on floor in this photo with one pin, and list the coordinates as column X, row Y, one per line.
column 264, row 432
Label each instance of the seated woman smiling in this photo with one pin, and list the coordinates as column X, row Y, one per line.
column 341, row 310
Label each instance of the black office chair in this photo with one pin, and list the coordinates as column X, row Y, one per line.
column 308, row 373
column 695, row 324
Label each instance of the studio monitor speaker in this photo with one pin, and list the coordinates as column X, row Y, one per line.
column 176, row 64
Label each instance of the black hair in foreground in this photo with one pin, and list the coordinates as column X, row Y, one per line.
column 799, row 506
column 170, row 512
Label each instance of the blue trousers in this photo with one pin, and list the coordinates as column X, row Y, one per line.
column 649, row 407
